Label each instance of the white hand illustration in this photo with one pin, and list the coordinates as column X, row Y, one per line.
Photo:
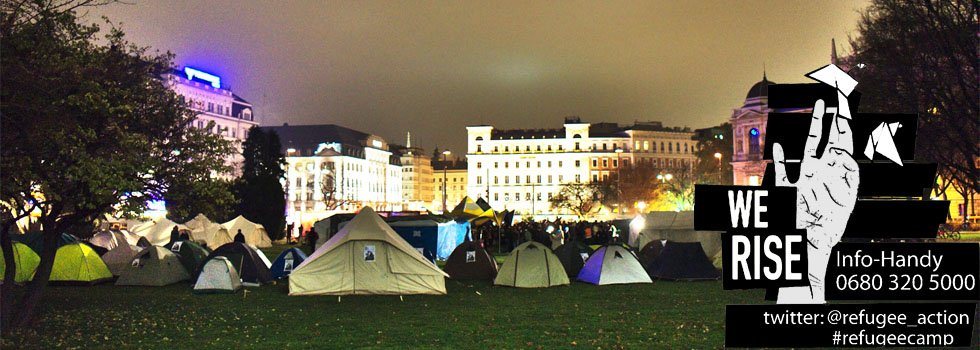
column 825, row 192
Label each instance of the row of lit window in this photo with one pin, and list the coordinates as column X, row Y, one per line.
column 496, row 165
column 527, row 196
column 527, row 179
column 645, row 146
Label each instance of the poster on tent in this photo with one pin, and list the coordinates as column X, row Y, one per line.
column 812, row 235
column 470, row 256
column 369, row 251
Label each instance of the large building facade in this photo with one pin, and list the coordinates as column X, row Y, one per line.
column 417, row 179
column 331, row 169
column 218, row 109
column 523, row 169
column 450, row 182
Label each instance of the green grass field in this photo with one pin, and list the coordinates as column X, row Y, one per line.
column 472, row 315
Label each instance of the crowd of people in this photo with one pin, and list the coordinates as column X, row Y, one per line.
column 549, row 233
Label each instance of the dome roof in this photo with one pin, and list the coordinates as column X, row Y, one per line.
column 760, row 89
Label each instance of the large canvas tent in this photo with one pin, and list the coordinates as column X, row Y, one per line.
column 366, row 257
column 204, row 231
column 255, row 234
column 116, row 259
column 78, row 263
column 218, row 275
column 247, row 263
column 469, row 261
column 327, row 227
column 190, row 254
column 675, row 227
column 573, row 255
column 531, row 265
column 613, row 264
column 286, row 262
column 25, row 262
column 682, row 261
column 154, row 266
column 159, row 233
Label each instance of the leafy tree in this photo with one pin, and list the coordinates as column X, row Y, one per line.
column 631, row 184
column 88, row 128
column 581, row 199
column 921, row 57
column 260, row 191
column 710, row 169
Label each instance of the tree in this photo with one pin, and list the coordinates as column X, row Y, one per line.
column 260, row 191
column 88, row 128
column 578, row 198
column 710, row 169
column 921, row 57
column 630, row 185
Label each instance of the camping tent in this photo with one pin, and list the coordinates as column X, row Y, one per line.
column 650, row 252
column 255, row 234
column 531, row 265
column 613, row 264
column 366, row 257
column 469, row 261
column 25, row 262
column 159, row 233
column 190, row 254
column 218, row 275
column 286, row 261
column 154, row 266
column 682, row 261
column 674, row 227
column 423, row 235
column 262, row 257
column 119, row 257
column 329, row 226
column 143, row 243
column 78, row 263
column 108, row 239
column 35, row 240
column 247, row 263
column 204, row 231
column 573, row 255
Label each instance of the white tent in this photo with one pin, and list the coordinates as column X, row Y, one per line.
column 159, row 232
column 366, row 257
column 255, row 234
column 613, row 264
column 218, row 276
column 205, row 231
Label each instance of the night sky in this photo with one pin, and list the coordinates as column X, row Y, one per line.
column 432, row 68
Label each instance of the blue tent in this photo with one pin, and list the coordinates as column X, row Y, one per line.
column 288, row 260
column 423, row 235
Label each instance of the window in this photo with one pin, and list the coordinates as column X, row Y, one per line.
column 517, row 197
column 527, row 148
column 549, row 196
column 479, row 138
column 670, row 148
column 528, row 178
column 595, row 163
column 561, row 178
column 539, row 148
column 495, row 164
column 506, row 165
column 517, row 179
column 506, row 148
column 479, row 165
column 496, row 149
column 605, row 162
column 549, row 148
column 753, row 180
column 528, row 164
column 221, row 109
column 636, row 144
column 578, row 177
column 506, row 179
column 539, row 178
column 661, row 147
column 479, row 148
column 549, row 163
column 604, row 147
column 577, row 146
column 615, row 163
column 560, row 147
column 496, row 196
column 685, row 148
column 595, row 178
column 517, row 164
column 605, row 177
column 539, row 196
column 646, row 146
column 527, row 196
column 559, row 164
column 496, row 180
column 539, row 164
column 210, row 107
column 549, row 178
column 578, row 163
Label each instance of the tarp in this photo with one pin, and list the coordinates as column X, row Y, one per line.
column 451, row 235
column 154, row 266
column 573, row 255
column 204, row 231
column 247, row 263
column 366, row 257
column 35, row 240
column 468, row 210
column 255, row 234
column 613, row 264
column 78, row 263
column 531, row 265
column 159, row 233
column 190, row 254
column 682, row 261
column 471, row 262
column 218, row 275
column 421, row 234
column 25, row 262
column 286, row 262
column 119, row 257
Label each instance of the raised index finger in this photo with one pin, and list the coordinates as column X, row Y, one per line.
column 816, row 126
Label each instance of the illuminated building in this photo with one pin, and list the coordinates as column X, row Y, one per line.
column 452, row 175
column 417, row 178
column 522, row 169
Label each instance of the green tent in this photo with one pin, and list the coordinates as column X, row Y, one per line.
column 154, row 266
column 78, row 263
column 191, row 255
column 25, row 260
column 531, row 265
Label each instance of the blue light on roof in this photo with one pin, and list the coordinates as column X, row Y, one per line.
column 208, row 77
column 754, row 132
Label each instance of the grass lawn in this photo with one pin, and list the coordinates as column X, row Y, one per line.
column 472, row 315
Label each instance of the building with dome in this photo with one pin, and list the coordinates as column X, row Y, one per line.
column 749, row 131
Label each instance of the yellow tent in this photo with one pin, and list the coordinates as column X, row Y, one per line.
column 366, row 257
column 77, row 262
column 26, row 261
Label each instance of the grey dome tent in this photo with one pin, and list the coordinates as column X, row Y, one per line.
column 154, row 266
column 218, row 275
column 116, row 259
column 247, row 263
column 682, row 261
column 573, row 255
column 469, row 261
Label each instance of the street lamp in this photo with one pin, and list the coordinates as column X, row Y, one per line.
column 664, row 178
column 619, row 190
column 718, row 157
column 445, row 165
